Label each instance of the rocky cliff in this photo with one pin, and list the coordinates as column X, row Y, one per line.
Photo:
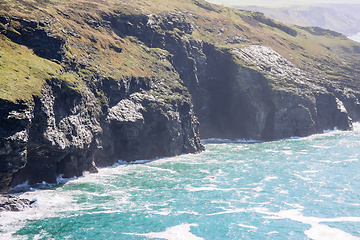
column 87, row 84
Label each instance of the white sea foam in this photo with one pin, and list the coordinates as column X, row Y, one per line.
column 327, row 196
column 269, row 178
column 162, row 169
column 303, row 178
column 323, row 232
column 317, row 231
column 321, row 147
column 310, row 171
column 60, row 179
column 228, row 211
column 271, row 150
column 208, row 188
column 224, row 140
column 258, row 189
column 21, row 188
column 329, row 130
column 284, row 192
column 356, row 126
column 163, row 213
column 124, row 189
column 287, row 152
column 215, row 140
column 122, row 162
column 187, row 212
column 48, row 204
column 247, row 226
column 179, row 232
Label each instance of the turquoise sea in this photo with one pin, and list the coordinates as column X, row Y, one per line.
column 298, row 188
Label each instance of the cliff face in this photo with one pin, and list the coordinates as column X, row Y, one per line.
column 72, row 127
column 70, row 132
column 130, row 85
column 273, row 99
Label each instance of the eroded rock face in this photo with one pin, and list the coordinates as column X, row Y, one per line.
column 300, row 105
column 71, row 131
column 15, row 120
column 264, row 98
column 145, row 125
column 62, row 136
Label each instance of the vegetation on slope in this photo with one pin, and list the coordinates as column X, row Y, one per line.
column 94, row 48
column 22, row 72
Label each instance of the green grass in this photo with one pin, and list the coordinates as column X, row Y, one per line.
column 22, row 73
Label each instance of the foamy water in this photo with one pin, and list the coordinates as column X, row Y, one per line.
column 298, row 188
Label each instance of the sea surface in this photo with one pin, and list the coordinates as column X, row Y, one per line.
column 298, row 188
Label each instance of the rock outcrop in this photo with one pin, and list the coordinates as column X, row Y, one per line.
column 265, row 97
column 14, row 203
column 70, row 132
column 15, row 122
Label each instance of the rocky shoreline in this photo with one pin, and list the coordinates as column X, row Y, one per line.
column 147, row 85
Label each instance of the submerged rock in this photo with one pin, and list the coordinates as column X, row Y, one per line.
column 14, row 203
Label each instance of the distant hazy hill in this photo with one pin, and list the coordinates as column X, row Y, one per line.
column 343, row 18
column 280, row 3
column 329, row 14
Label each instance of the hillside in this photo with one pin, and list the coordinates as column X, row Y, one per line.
column 88, row 83
column 342, row 18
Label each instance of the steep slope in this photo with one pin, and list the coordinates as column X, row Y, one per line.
column 87, row 83
column 343, row 18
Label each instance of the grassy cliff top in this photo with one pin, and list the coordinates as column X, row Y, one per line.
column 100, row 50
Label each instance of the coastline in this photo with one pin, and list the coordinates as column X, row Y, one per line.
column 12, row 202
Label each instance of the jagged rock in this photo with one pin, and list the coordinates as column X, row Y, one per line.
column 140, row 125
column 14, row 203
column 63, row 136
column 15, row 120
column 277, row 100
